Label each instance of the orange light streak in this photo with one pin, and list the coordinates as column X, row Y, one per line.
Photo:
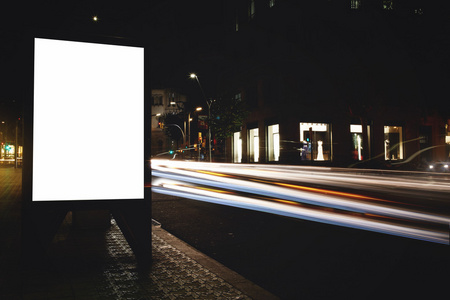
column 316, row 190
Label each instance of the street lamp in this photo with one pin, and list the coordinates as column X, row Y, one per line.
column 208, row 102
column 188, row 131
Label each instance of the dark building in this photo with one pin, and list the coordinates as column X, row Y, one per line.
column 337, row 82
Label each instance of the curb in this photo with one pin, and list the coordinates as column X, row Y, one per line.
column 239, row 282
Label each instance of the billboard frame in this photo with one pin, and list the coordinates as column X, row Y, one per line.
column 42, row 219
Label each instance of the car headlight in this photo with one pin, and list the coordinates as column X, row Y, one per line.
column 431, row 166
column 445, row 166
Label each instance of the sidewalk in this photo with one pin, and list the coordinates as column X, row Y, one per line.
column 99, row 264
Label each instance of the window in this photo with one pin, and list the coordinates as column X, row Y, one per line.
column 271, row 3
column 157, row 99
column 447, row 140
column 316, row 138
column 254, row 144
column 388, row 4
column 251, row 9
column 172, row 100
column 237, row 147
column 273, row 142
column 355, row 4
column 393, row 142
column 447, row 134
column 357, row 137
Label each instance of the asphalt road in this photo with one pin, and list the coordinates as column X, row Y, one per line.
column 297, row 259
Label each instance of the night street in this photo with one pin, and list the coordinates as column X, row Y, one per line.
column 254, row 149
column 297, row 259
column 294, row 258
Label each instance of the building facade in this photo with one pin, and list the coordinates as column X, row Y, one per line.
column 164, row 102
column 334, row 83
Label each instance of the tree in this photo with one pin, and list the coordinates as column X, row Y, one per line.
column 227, row 117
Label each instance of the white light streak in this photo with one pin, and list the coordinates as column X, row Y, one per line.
column 208, row 181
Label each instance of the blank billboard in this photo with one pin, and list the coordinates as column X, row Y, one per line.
column 88, row 121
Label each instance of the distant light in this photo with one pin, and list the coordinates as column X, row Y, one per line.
column 446, row 166
column 198, row 108
column 95, row 18
column 193, row 75
column 158, row 114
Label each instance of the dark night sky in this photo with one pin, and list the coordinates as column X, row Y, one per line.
column 179, row 33
column 184, row 36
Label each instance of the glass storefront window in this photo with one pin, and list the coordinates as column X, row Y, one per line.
column 254, row 144
column 316, row 138
column 237, row 147
column 393, row 142
column 357, row 138
column 273, row 142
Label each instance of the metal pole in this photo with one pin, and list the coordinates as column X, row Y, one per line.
column 209, row 129
column 189, row 131
column 199, row 146
column 15, row 144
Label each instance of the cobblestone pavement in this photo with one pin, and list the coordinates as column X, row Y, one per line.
column 99, row 264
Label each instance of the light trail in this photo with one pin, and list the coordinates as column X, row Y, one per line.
column 244, row 189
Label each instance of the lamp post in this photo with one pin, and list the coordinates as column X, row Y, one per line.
column 208, row 102
column 189, row 126
column 178, row 126
column 3, row 138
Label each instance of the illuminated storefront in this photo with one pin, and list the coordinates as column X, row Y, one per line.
column 237, row 147
column 253, row 138
column 7, row 151
column 316, row 138
column 273, row 142
column 358, row 140
column 393, row 142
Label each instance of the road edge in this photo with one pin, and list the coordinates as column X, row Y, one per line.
column 235, row 279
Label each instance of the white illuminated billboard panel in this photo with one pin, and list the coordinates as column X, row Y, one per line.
column 88, row 121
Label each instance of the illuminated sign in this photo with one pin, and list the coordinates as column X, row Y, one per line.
column 87, row 94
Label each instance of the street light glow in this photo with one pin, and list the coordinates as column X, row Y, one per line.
column 199, row 108
column 193, row 75
column 95, row 18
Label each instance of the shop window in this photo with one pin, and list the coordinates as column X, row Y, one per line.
column 254, row 144
column 447, row 134
column 316, row 138
column 237, row 147
column 273, row 142
column 357, row 138
column 393, row 142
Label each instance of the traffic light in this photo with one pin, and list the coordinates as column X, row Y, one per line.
column 171, row 151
